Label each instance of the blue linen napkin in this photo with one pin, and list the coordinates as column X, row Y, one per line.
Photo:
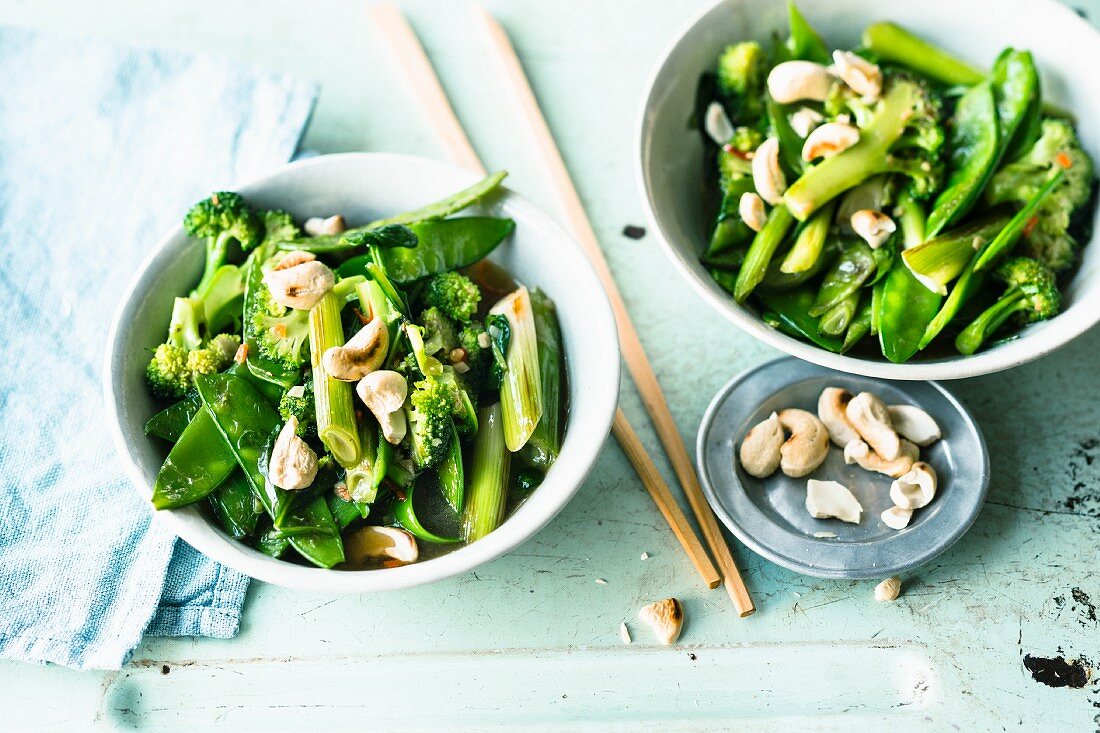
column 101, row 151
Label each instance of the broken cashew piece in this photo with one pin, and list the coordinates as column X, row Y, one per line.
column 316, row 226
column 792, row 81
column 751, row 209
column 293, row 464
column 362, row 354
column 717, row 123
column 896, row 517
column 829, row 139
column 861, row 76
column 860, row 453
column 916, row 488
column 805, row 120
column 301, row 286
column 889, row 589
column 871, row 419
column 666, row 618
column 292, row 259
column 760, row 450
column 767, row 176
column 874, row 227
column 384, row 392
column 832, row 500
column 832, row 408
column 808, row 445
column 373, row 543
column 914, row 424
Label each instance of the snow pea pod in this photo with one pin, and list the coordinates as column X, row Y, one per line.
column 790, row 144
column 1016, row 89
column 859, row 327
column 170, row 422
column 975, row 148
column 853, row 268
column 804, row 42
column 777, row 279
column 343, row 512
column 444, row 244
column 731, row 236
column 245, row 421
column 323, row 546
column 269, row 540
column 793, row 311
column 907, row 308
column 197, row 464
column 235, row 506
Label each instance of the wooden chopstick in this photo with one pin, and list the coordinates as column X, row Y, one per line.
column 633, row 352
column 429, row 94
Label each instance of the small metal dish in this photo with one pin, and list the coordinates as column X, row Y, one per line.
column 769, row 515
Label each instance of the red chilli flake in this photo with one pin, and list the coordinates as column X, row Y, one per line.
column 279, row 330
column 399, row 493
column 359, row 314
column 242, row 354
column 1063, row 160
column 1030, row 226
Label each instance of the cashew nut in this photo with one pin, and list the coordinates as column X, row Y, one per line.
column 300, row 286
column 896, row 517
column 889, row 589
column 717, row 123
column 316, row 226
column 362, row 354
column 859, row 452
column 296, row 257
column 874, row 227
column 760, row 450
column 792, row 81
column 861, row 76
column 914, row 424
column 829, row 499
column 808, row 445
column 751, row 209
column 384, row 392
column 805, row 120
column 767, row 176
column 666, row 618
column 829, row 139
column 832, row 408
column 871, row 419
column 916, row 488
column 372, row 544
column 293, row 464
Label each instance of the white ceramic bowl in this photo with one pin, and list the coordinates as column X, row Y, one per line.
column 364, row 187
column 669, row 154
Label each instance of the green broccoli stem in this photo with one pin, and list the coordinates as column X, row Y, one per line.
column 485, row 498
column 761, row 251
column 185, row 330
column 891, row 42
column 833, row 176
column 217, row 250
column 335, row 408
column 971, row 338
column 1014, row 229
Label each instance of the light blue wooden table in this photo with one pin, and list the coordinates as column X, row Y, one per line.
column 532, row 639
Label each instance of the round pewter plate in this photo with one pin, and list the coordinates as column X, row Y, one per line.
column 769, row 515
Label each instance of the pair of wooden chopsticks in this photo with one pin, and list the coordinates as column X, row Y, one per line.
column 424, row 83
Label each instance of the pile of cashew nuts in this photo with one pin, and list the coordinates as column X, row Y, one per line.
column 879, row 438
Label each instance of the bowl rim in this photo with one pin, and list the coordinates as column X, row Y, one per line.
column 532, row 515
column 1029, row 346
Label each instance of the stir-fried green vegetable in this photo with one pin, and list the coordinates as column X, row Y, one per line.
column 893, row 177
column 317, row 381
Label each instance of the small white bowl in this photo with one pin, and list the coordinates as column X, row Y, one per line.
column 364, row 187
column 669, row 152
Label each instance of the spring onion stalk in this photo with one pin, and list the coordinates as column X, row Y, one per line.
column 488, row 488
column 335, row 408
column 378, row 275
column 360, row 477
column 383, row 462
column 1012, row 232
column 941, row 259
column 761, row 251
column 545, row 443
column 521, row 388
column 891, row 42
column 428, row 365
column 451, row 475
column 809, row 242
column 374, row 303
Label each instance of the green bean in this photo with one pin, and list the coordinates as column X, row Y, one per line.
column 891, row 42
column 545, row 442
column 1006, row 239
column 810, row 241
column 852, row 269
column 975, row 147
column 234, row 506
column 793, row 312
column 335, row 410
column 486, row 494
column 761, row 251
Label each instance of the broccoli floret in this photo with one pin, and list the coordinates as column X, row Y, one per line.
column 1048, row 239
column 171, row 371
column 431, row 430
column 298, row 402
column 222, row 218
column 742, row 68
column 439, row 332
column 454, row 294
column 1032, row 295
column 901, row 133
column 279, row 227
column 281, row 333
column 475, row 342
column 734, row 158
